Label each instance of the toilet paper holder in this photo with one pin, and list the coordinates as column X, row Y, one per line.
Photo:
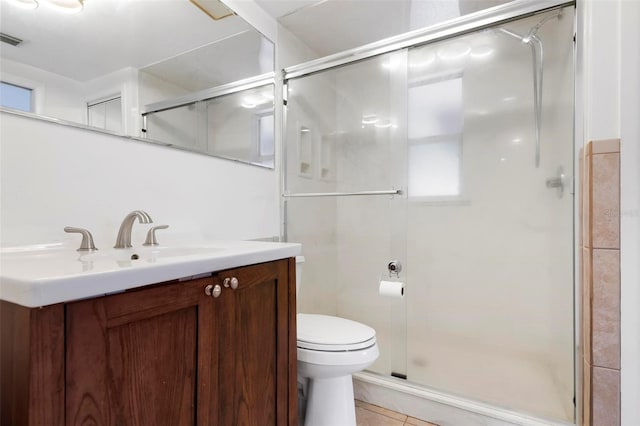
column 394, row 268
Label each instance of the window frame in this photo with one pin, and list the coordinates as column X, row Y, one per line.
column 32, row 103
column 462, row 197
column 270, row 159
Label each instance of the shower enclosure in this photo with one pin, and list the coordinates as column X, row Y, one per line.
column 453, row 157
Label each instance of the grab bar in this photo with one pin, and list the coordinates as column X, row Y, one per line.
column 342, row 194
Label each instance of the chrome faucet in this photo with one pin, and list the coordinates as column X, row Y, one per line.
column 124, row 234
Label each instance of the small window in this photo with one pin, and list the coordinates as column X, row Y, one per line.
column 106, row 114
column 266, row 144
column 16, row 97
column 434, row 168
column 435, row 129
column 436, row 108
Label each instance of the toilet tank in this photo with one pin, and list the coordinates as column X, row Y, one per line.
column 299, row 264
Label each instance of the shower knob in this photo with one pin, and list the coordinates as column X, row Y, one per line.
column 558, row 181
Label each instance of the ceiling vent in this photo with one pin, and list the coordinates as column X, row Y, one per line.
column 6, row 38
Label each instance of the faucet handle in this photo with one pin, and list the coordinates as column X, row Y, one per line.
column 87, row 239
column 151, row 235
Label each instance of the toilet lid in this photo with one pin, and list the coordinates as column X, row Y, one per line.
column 323, row 332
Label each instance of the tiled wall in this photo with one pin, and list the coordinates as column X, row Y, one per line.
column 600, row 258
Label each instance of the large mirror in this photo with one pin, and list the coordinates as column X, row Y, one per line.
column 166, row 71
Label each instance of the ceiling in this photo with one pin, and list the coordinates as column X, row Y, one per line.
column 109, row 35
column 331, row 26
column 244, row 55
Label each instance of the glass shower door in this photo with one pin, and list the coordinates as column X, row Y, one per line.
column 489, row 243
column 477, row 132
column 345, row 139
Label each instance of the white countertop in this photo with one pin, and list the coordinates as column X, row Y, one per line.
column 34, row 276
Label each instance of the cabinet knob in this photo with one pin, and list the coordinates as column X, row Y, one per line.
column 216, row 290
column 231, row 282
column 212, row 290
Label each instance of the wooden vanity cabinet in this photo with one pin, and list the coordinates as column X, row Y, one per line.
column 171, row 354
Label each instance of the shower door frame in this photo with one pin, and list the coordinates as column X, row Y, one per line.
column 516, row 9
column 448, row 29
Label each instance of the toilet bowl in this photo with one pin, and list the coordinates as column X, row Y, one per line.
column 330, row 350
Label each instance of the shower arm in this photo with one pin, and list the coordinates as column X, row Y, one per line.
column 537, row 53
column 537, row 50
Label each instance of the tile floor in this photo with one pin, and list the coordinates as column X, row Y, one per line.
column 372, row 415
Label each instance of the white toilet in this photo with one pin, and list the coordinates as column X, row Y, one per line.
column 330, row 349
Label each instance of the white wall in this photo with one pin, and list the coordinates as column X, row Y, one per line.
column 55, row 96
column 292, row 50
column 54, row 176
column 630, row 213
column 60, row 97
column 608, row 69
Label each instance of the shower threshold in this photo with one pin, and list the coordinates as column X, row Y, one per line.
column 441, row 408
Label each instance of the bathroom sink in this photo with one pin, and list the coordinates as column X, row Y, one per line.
column 43, row 274
column 147, row 254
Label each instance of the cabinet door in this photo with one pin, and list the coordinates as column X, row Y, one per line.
column 256, row 371
column 143, row 357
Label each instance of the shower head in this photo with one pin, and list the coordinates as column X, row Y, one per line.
column 532, row 34
column 534, row 30
column 537, row 50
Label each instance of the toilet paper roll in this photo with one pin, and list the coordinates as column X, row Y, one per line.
column 391, row 289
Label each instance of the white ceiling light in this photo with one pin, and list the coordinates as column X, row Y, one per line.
column 267, row 95
column 423, row 62
column 253, row 100
column 453, row 52
column 65, row 6
column 393, row 63
column 481, row 52
column 369, row 119
column 24, row 4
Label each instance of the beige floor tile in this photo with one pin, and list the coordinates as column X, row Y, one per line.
column 393, row 414
column 417, row 422
column 366, row 417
